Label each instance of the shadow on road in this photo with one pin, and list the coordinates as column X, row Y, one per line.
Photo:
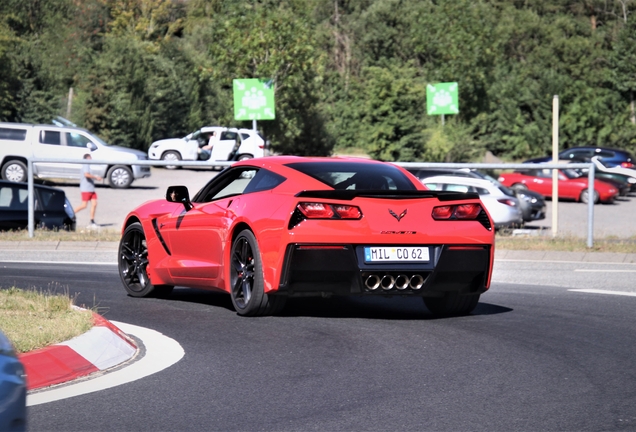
column 392, row 308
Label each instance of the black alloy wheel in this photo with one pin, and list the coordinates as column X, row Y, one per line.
column 246, row 279
column 133, row 261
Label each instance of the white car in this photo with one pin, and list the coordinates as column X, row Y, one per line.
column 228, row 144
column 628, row 172
column 503, row 208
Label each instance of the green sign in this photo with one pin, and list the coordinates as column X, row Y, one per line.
column 442, row 98
column 254, row 99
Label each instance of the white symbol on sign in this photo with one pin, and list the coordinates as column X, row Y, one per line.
column 254, row 99
column 442, row 98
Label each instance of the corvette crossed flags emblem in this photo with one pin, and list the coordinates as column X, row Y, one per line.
column 397, row 216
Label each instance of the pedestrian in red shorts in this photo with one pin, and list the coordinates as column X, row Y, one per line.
column 87, row 188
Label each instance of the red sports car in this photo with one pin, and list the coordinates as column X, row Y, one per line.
column 270, row 228
column 572, row 185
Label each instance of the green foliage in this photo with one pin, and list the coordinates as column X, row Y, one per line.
column 350, row 74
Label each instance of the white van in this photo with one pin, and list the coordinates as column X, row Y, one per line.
column 19, row 141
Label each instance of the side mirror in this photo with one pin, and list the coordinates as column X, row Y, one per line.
column 91, row 146
column 179, row 194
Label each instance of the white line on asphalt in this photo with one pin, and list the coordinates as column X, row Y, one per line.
column 161, row 353
column 561, row 261
column 604, row 271
column 595, row 291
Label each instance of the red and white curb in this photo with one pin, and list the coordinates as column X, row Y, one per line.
column 101, row 348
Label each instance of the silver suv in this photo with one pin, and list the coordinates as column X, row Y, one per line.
column 19, row 142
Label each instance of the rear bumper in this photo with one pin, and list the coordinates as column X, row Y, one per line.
column 141, row 171
column 342, row 271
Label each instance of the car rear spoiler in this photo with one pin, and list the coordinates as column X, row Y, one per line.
column 348, row 195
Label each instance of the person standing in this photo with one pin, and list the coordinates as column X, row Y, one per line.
column 87, row 188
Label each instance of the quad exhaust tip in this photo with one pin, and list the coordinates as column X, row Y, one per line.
column 387, row 282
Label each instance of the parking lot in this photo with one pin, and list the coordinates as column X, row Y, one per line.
column 610, row 220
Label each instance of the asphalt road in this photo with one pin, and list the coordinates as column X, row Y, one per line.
column 535, row 355
column 610, row 220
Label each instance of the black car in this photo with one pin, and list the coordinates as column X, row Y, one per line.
column 52, row 209
column 610, row 156
column 531, row 204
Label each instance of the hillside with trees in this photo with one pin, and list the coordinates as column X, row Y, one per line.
column 349, row 75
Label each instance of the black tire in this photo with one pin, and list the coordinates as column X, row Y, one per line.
column 120, row 177
column 452, row 304
column 133, row 260
column 585, row 196
column 519, row 187
column 171, row 156
column 246, row 279
column 14, row 171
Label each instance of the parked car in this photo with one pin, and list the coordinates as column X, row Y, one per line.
column 572, row 185
column 227, row 144
column 610, row 156
column 52, row 210
column 263, row 232
column 531, row 204
column 13, row 389
column 626, row 177
column 502, row 204
column 19, row 142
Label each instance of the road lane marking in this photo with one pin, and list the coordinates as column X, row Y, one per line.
column 161, row 353
column 604, row 271
column 595, row 291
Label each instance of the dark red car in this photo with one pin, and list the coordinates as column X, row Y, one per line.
column 572, row 185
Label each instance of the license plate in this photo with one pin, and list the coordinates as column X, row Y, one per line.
column 396, row 254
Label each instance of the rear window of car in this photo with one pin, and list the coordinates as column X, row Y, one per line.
column 13, row 198
column 355, row 176
column 13, row 134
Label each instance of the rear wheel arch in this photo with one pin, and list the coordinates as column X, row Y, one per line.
column 246, row 276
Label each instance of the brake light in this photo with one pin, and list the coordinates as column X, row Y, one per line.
column 347, row 211
column 329, row 211
column 315, row 210
column 627, row 165
column 467, row 211
column 507, row 201
column 443, row 212
column 454, row 212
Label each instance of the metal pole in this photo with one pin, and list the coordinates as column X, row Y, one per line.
column 69, row 103
column 555, row 159
column 31, row 200
column 254, row 125
column 590, row 206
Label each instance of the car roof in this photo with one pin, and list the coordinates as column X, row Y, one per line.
column 468, row 181
column 25, row 186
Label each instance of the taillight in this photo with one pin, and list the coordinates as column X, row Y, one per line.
column 627, row 165
column 316, row 210
column 455, row 212
column 443, row 212
column 507, row 201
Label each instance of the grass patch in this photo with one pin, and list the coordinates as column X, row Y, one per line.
column 33, row 319
column 51, row 235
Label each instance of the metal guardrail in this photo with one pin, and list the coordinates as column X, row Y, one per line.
column 590, row 176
